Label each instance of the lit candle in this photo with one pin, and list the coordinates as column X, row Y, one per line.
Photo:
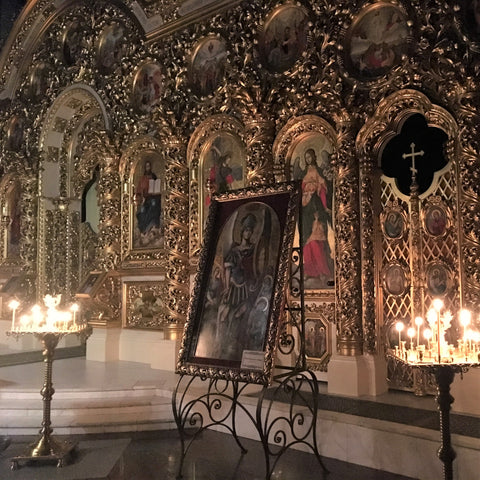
column 427, row 333
column 411, row 334
column 74, row 309
column 14, row 304
column 465, row 317
column 37, row 316
column 438, row 305
column 399, row 327
column 24, row 321
column 418, row 323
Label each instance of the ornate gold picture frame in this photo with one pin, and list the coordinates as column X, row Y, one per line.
column 110, row 47
column 218, row 164
column 232, row 325
column 15, row 133
column 318, row 335
column 393, row 222
column 72, row 42
column 143, row 171
column 207, row 64
column 38, row 80
column 283, row 37
column 303, row 151
column 376, row 40
column 436, row 219
column 438, row 279
column 144, row 305
column 395, row 279
column 147, row 87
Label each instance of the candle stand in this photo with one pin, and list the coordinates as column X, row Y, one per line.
column 444, row 375
column 47, row 449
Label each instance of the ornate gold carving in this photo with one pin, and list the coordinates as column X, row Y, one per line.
column 388, row 118
column 292, row 134
column 348, row 270
column 176, row 231
column 321, row 318
column 131, row 257
column 104, row 308
column 197, row 145
column 87, row 248
column 144, row 304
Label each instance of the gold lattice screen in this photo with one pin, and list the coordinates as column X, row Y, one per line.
column 439, row 252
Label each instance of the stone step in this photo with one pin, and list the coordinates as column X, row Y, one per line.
column 79, row 412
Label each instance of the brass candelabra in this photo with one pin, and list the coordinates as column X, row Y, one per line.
column 49, row 328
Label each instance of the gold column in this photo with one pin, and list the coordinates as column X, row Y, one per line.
column 176, row 220
column 348, row 289
column 109, row 194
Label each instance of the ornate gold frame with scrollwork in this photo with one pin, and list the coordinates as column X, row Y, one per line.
column 282, row 202
column 289, row 136
column 322, row 314
column 199, row 141
column 132, row 257
column 134, row 313
column 350, row 71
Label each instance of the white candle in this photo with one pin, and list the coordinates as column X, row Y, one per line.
column 14, row 304
column 418, row 323
column 427, row 333
column 399, row 327
column 438, row 305
column 411, row 334
column 74, row 309
column 465, row 317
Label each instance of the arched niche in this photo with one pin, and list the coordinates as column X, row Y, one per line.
column 68, row 159
column 401, row 250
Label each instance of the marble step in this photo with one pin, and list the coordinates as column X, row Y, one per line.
column 79, row 412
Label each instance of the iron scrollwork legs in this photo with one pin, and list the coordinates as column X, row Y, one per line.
column 215, row 406
column 298, row 426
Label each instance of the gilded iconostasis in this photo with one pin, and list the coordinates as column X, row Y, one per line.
column 121, row 119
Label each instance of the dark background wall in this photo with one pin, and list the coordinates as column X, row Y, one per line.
column 9, row 10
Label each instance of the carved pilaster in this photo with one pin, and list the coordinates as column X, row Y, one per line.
column 109, row 197
column 259, row 134
column 368, row 256
column 347, row 226
column 28, row 245
column 176, row 230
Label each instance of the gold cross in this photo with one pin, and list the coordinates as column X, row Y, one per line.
column 413, row 154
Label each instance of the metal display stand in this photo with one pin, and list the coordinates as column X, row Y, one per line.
column 221, row 401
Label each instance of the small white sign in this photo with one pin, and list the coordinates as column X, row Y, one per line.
column 252, row 360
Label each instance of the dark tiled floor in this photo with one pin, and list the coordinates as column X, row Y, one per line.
column 216, row 456
column 212, row 456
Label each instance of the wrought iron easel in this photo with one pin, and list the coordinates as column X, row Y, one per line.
column 220, row 402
